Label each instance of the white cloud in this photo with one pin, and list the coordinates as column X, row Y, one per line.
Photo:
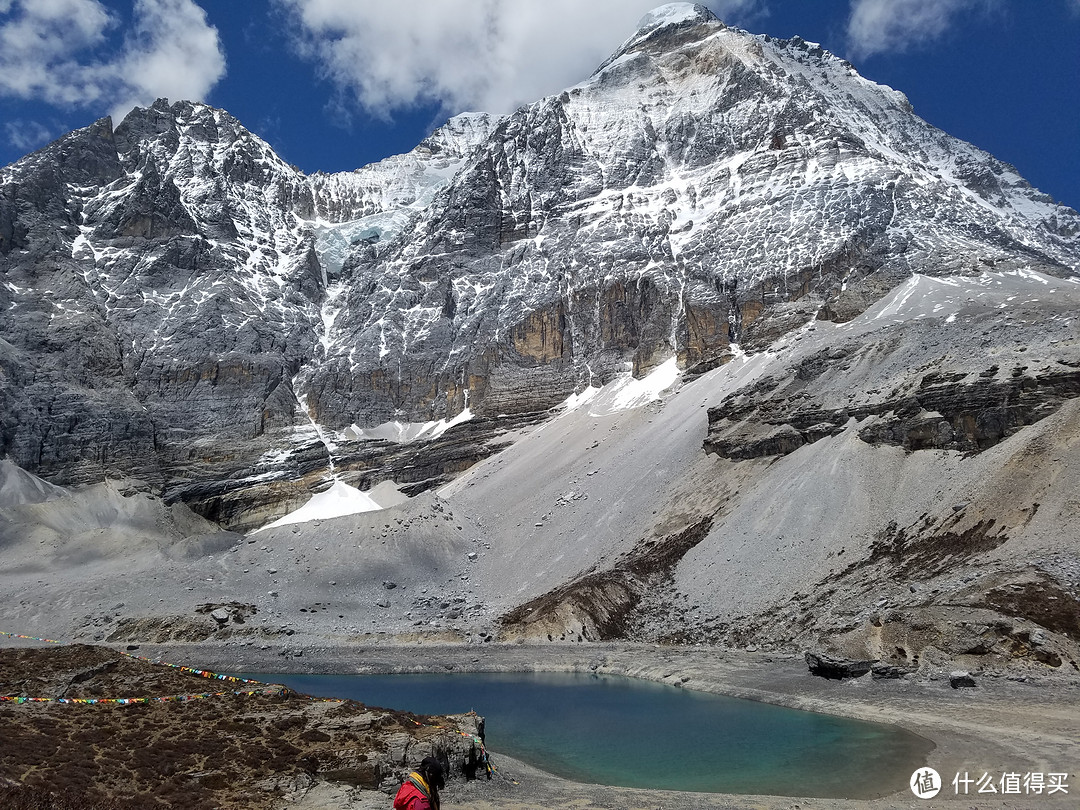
column 36, row 43
column 26, row 136
column 58, row 52
column 490, row 55
column 881, row 26
column 173, row 53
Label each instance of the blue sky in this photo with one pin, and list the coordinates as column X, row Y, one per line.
column 335, row 84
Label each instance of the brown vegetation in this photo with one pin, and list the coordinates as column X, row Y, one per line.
column 226, row 751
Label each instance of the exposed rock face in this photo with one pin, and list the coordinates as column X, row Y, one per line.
column 165, row 286
column 610, row 521
column 183, row 306
column 601, row 605
column 919, row 386
column 945, row 412
column 654, row 216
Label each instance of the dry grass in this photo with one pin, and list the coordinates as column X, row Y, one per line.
column 229, row 751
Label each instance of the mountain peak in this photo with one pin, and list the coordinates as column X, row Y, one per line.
column 678, row 14
column 663, row 29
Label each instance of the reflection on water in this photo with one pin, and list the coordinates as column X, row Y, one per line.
column 622, row 731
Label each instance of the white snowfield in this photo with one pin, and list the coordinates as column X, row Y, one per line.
column 669, row 14
column 337, row 501
column 626, row 392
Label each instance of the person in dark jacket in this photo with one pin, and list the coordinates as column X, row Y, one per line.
column 421, row 790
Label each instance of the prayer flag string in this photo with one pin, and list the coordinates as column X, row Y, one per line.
column 276, row 690
column 266, row 690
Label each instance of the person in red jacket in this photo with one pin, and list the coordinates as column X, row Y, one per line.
column 421, row 790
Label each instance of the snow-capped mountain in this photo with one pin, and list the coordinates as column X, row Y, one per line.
column 659, row 208
column 816, row 365
column 164, row 282
column 183, row 306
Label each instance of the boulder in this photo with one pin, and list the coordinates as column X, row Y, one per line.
column 828, row 666
column 881, row 671
column 960, row 679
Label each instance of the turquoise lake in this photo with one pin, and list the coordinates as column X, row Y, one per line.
column 623, row 731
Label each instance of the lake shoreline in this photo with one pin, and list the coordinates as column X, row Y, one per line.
column 1001, row 726
column 617, row 730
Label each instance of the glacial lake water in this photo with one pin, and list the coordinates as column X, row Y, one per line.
column 623, row 731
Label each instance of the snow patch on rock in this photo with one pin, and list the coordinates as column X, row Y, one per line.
column 405, row 432
column 338, row 501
